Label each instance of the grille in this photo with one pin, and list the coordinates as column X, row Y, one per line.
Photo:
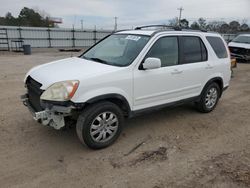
column 34, row 93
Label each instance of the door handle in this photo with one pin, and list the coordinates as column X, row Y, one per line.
column 175, row 71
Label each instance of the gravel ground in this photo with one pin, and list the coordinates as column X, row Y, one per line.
column 176, row 147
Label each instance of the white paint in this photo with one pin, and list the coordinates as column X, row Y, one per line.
column 239, row 45
column 141, row 88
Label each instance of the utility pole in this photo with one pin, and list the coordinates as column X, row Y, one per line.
column 179, row 20
column 115, row 28
column 82, row 24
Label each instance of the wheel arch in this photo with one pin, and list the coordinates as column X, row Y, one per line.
column 115, row 98
column 217, row 80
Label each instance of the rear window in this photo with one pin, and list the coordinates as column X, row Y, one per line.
column 218, row 46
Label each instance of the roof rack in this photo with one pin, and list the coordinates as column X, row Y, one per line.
column 164, row 27
column 167, row 27
column 177, row 28
column 195, row 30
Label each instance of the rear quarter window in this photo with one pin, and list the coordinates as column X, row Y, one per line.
column 218, row 46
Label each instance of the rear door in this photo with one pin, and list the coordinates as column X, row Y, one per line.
column 194, row 65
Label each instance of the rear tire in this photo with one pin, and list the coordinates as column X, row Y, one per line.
column 100, row 125
column 209, row 98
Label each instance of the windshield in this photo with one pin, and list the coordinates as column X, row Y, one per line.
column 117, row 49
column 242, row 39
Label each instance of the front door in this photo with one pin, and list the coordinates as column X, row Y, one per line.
column 157, row 86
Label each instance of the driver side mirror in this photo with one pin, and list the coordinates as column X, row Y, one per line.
column 151, row 63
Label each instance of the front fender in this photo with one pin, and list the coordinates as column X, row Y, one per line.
column 89, row 95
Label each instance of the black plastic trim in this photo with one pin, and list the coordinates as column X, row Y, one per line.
column 49, row 104
column 110, row 97
column 214, row 80
column 159, row 107
column 225, row 88
column 79, row 106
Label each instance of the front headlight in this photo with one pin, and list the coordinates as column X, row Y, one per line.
column 61, row 91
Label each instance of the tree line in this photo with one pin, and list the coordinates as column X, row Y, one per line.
column 31, row 18
column 27, row 17
column 218, row 26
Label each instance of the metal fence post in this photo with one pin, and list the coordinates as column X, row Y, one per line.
column 49, row 38
column 20, row 33
column 7, row 38
column 95, row 39
column 21, row 42
column 73, row 37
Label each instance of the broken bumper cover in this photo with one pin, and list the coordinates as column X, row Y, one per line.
column 53, row 116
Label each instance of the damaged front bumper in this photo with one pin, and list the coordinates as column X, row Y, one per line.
column 53, row 116
column 241, row 56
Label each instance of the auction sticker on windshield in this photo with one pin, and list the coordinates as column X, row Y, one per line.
column 132, row 37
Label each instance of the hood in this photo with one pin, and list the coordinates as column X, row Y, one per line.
column 68, row 69
column 239, row 45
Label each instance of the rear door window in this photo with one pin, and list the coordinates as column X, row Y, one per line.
column 218, row 46
column 192, row 50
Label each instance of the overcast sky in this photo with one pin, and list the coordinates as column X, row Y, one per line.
column 131, row 12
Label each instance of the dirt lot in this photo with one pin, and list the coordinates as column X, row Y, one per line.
column 177, row 147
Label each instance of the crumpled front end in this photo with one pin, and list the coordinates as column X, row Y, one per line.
column 44, row 113
column 240, row 53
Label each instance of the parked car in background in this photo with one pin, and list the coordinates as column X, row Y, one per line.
column 126, row 74
column 240, row 47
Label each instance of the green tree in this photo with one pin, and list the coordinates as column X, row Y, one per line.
column 8, row 16
column 244, row 27
column 234, row 26
column 27, row 17
column 184, row 23
column 224, row 28
column 215, row 26
column 202, row 23
column 173, row 22
column 195, row 26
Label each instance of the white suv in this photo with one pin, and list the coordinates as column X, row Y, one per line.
column 127, row 73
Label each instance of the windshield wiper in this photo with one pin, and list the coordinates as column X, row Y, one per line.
column 95, row 59
column 98, row 60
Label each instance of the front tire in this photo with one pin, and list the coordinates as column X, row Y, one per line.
column 100, row 125
column 209, row 98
